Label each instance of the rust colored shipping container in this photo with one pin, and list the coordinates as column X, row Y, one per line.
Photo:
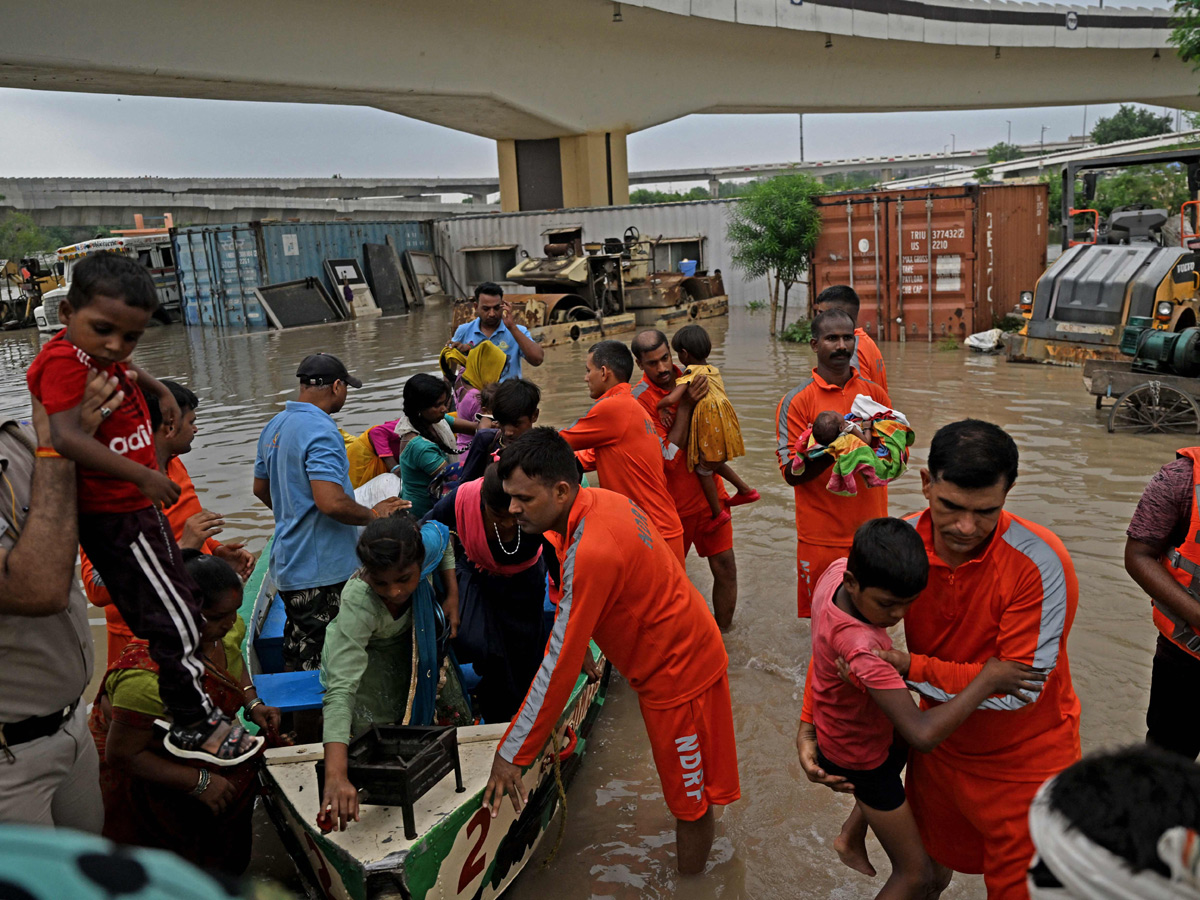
column 933, row 262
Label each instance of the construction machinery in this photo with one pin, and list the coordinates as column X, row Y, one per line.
column 1121, row 277
column 598, row 289
column 22, row 285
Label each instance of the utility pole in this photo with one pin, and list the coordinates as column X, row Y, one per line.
column 952, row 142
column 1042, row 140
column 1009, row 141
column 1083, row 142
column 801, row 137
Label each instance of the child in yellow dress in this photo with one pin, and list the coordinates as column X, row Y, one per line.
column 714, row 436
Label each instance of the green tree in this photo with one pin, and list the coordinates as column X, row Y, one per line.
column 643, row 195
column 1185, row 31
column 983, row 174
column 1003, row 152
column 1128, row 123
column 20, row 237
column 774, row 230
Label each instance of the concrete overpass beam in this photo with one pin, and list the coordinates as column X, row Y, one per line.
column 558, row 173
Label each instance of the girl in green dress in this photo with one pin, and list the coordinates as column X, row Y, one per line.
column 427, row 439
column 386, row 659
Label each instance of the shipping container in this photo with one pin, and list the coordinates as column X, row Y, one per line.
column 219, row 266
column 932, row 262
column 484, row 247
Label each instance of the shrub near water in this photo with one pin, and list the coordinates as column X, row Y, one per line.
column 798, row 332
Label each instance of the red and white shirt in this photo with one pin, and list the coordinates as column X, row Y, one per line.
column 57, row 378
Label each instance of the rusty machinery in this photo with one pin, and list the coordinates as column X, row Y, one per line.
column 591, row 289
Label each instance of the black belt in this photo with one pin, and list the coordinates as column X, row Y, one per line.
column 14, row 733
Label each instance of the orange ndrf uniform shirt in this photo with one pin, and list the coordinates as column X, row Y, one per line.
column 629, row 456
column 177, row 514
column 1016, row 600
column 824, row 518
column 622, row 588
column 868, row 359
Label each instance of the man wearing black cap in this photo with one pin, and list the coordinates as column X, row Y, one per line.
column 302, row 474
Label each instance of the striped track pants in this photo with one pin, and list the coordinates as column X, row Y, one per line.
column 141, row 564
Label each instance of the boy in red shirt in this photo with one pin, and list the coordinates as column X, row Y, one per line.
column 619, row 586
column 121, row 528
column 866, row 724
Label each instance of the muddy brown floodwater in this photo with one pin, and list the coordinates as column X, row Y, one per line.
column 775, row 842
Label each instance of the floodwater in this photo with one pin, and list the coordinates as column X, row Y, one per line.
column 775, row 842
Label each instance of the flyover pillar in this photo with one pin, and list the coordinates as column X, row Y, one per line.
column 557, row 173
column 714, row 188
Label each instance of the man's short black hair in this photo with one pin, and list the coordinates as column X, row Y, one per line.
column 490, row 288
column 1125, row 799
column 542, row 454
column 973, row 454
column 183, row 396
column 888, row 553
column 615, row 355
column 102, row 274
column 694, row 340
column 826, row 319
column 514, row 399
column 153, row 408
column 842, row 296
column 645, row 341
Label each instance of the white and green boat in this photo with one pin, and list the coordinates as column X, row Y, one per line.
column 460, row 851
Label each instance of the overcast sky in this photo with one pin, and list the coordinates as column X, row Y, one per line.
column 74, row 134
column 49, row 133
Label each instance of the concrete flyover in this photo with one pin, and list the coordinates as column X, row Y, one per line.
column 1051, row 163
column 560, row 83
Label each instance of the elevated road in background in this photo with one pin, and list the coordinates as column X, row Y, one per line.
column 1050, row 163
column 115, row 208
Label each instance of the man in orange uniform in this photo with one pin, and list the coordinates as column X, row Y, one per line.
column 652, row 352
column 621, row 443
column 867, row 358
column 825, row 522
column 192, row 525
column 619, row 586
column 998, row 586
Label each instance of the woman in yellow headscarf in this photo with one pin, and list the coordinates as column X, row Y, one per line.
column 480, row 367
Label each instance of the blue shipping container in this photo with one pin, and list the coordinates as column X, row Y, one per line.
column 220, row 266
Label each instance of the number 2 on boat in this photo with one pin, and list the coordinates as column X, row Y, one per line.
column 476, row 861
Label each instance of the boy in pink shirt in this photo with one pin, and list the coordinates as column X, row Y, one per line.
column 866, row 720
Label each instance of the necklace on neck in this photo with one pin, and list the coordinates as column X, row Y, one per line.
column 500, row 541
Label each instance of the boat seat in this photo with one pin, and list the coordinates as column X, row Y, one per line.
column 269, row 643
column 290, row 691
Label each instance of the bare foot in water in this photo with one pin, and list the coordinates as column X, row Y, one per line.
column 853, row 853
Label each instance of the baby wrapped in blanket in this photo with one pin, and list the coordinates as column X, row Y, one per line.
column 871, row 442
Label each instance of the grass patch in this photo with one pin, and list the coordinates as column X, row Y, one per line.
column 756, row 305
column 798, row 332
column 948, row 343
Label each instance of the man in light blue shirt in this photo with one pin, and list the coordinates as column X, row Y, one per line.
column 302, row 474
column 494, row 322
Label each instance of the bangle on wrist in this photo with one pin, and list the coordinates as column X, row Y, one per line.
column 254, row 704
column 201, row 783
column 47, row 453
column 374, row 513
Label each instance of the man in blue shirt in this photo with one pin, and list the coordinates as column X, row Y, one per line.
column 302, row 474
column 494, row 322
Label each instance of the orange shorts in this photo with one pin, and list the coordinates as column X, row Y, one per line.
column 706, row 543
column 695, row 752
column 811, row 562
column 972, row 824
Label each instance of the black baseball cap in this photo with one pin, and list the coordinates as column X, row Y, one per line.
column 324, row 368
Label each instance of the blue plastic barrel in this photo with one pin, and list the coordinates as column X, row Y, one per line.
column 687, row 267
